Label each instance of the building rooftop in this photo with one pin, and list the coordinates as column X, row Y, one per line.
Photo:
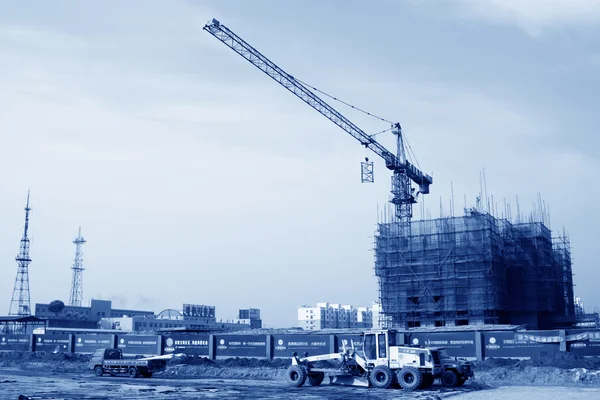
column 21, row 318
column 466, row 328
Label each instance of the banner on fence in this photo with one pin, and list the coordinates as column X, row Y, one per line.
column 15, row 342
column 91, row 342
column 196, row 345
column 588, row 345
column 241, row 346
column 458, row 344
column 54, row 342
column 286, row 345
column 139, row 344
column 349, row 342
column 518, row 345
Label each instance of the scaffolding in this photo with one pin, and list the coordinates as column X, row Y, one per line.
column 470, row 270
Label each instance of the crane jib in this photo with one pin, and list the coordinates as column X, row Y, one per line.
column 237, row 44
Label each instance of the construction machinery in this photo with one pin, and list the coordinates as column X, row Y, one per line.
column 404, row 172
column 456, row 371
column 381, row 364
column 112, row 361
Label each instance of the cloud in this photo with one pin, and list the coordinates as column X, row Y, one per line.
column 535, row 16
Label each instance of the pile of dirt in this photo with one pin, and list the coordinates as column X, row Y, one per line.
column 544, row 369
column 561, row 360
column 229, row 362
column 239, row 368
column 217, row 371
column 21, row 358
column 545, row 376
column 51, row 362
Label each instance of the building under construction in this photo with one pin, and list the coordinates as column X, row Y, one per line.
column 474, row 269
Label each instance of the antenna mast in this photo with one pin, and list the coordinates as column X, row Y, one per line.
column 76, row 297
column 20, row 303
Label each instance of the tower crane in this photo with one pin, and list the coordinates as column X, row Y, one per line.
column 403, row 195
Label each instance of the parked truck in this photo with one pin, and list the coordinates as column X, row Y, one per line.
column 456, row 371
column 111, row 361
column 382, row 363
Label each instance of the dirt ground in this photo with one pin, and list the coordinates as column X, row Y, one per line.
column 48, row 385
column 65, row 376
column 44, row 385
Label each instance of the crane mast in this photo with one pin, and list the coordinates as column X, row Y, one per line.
column 403, row 196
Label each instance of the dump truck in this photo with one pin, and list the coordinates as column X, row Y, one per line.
column 382, row 363
column 112, row 362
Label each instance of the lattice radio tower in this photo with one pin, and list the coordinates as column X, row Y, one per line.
column 20, row 303
column 76, row 297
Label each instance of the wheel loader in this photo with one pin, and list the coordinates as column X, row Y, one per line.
column 380, row 364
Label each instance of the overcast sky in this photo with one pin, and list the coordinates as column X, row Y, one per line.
column 197, row 179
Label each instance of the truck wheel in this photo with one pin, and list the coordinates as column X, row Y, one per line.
column 381, row 377
column 427, row 381
column 410, row 378
column 132, row 372
column 98, row 371
column 450, row 379
column 296, row 376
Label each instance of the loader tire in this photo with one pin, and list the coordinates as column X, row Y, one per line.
column 427, row 381
column 410, row 378
column 381, row 377
column 450, row 379
column 316, row 378
column 296, row 375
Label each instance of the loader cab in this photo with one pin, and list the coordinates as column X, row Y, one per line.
column 376, row 346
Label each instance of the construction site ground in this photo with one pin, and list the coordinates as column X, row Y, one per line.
column 58, row 376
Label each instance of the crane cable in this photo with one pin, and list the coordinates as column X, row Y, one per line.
column 367, row 113
column 383, row 131
column 343, row 102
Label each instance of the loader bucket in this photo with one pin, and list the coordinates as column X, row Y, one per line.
column 348, row 380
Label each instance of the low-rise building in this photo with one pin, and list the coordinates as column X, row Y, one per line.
column 191, row 317
column 101, row 315
column 97, row 310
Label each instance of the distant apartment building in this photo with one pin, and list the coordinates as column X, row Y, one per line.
column 334, row 316
column 377, row 323
column 579, row 306
column 250, row 316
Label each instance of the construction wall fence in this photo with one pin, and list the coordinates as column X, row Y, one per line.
column 475, row 345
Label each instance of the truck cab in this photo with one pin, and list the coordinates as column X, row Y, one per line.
column 456, row 370
column 105, row 354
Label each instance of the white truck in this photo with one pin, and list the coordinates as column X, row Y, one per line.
column 381, row 364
